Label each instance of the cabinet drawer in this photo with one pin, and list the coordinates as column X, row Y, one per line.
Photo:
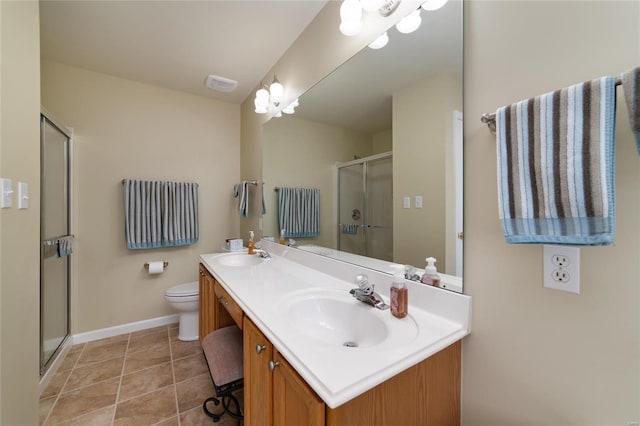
column 228, row 303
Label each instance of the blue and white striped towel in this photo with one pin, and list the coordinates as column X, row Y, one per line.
column 160, row 214
column 299, row 212
column 64, row 246
column 556, row 166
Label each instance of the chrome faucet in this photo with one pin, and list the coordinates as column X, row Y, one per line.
column 263, row 253
column 366, row 294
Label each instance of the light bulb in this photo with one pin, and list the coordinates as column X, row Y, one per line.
column 371, row 5
column 380, row 42
column 350, row 10
column 409, row 23
column 350, row 17
column 262, row 98
column 290, row 109
column 277, row 91
column 350, row 28
column 433, row 4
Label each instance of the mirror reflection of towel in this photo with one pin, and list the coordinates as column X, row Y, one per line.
column 299, row 212
column 64, row 246
column 350, row 228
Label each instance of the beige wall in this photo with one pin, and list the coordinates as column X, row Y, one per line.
column 124, row 129
column 538, row 356
column 19, row 229
column 422, row 134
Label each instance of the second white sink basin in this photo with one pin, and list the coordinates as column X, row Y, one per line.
column 335, row 318
column 239, row 259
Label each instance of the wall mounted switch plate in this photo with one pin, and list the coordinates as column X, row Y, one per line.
column 6, row 193
column 406, row 202
column 23, row 195
column 418, row 201
column 561, row 268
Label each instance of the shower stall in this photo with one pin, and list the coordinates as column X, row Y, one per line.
column 56, row 239
column 365, row 208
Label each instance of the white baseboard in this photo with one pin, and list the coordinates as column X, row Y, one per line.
column 103, row 333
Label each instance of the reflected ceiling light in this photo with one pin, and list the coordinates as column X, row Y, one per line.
column 380, row 42
column 433, row 4
column 409, row 23
column 290, row 109
column 268, row 97
column 350, row 17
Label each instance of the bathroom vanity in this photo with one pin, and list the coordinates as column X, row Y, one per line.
column 314, row 355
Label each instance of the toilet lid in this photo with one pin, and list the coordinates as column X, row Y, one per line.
column 186, row 289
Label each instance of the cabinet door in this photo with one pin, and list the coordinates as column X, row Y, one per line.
column 258, row 395
column 207, row 303
column 294, row 402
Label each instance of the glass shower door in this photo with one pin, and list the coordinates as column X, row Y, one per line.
column 55, row 227
column 378, row 226
column 365, row 209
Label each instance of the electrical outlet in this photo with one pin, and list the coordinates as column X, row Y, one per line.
column 561, row 268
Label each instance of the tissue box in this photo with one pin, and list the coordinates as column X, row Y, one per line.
column 234, row 244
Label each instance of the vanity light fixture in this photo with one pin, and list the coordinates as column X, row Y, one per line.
column 290, row 109
column 350, row 17
column 268, row 97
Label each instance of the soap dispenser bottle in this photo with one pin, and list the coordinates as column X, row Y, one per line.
column 399, row 293
column 252, row 244
column 282, row 240
column 430, row 276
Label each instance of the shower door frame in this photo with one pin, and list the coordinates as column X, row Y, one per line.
column 364, row 161
column 46, row 118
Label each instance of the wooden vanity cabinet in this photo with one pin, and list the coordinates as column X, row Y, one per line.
column 274, row 393
column 216, row 308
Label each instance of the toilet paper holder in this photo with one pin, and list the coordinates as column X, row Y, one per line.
column 146, row 264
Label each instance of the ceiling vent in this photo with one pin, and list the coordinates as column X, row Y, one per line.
column 220, row 84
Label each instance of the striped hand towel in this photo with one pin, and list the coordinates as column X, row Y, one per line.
column 556, row 166
column 631, row 87
column 160, row 214
column 349, row 228
column 299, row 212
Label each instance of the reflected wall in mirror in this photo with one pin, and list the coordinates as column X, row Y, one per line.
column 400, row 106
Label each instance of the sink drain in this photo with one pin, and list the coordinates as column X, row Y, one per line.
column 350, row 344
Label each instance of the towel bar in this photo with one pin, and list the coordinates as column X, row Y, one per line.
column 489, row 118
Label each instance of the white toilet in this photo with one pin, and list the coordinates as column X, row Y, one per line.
column 184, row 298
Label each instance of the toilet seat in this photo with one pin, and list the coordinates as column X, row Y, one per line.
column 183, row 290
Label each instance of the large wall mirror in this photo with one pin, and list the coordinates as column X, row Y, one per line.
column 381, row 138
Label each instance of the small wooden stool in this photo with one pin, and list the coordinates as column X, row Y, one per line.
column 223, row 351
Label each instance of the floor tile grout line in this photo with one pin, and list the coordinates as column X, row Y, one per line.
column 173, row 375
column 63, row 385
column 124, row 363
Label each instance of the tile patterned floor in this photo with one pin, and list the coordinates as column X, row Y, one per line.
column 144, row 378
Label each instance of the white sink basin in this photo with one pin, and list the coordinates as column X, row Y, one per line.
column 335, row 318
column 239, row 259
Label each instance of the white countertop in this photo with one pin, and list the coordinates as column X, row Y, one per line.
column 437, row 318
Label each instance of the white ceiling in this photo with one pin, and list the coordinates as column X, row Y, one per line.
column 175, row 44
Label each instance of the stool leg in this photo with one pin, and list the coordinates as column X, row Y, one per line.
column 214, row 416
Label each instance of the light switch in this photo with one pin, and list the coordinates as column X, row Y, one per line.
column 6, row 199
column 406, row 202
column 418, row 201
column 23, row 195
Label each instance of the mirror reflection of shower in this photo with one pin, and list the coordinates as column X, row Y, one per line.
column 365, row 211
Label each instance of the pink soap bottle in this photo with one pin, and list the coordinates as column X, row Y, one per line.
column 399, row 293
column 430, row 276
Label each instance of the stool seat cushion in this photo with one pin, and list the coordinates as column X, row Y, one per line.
column 223, row 351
